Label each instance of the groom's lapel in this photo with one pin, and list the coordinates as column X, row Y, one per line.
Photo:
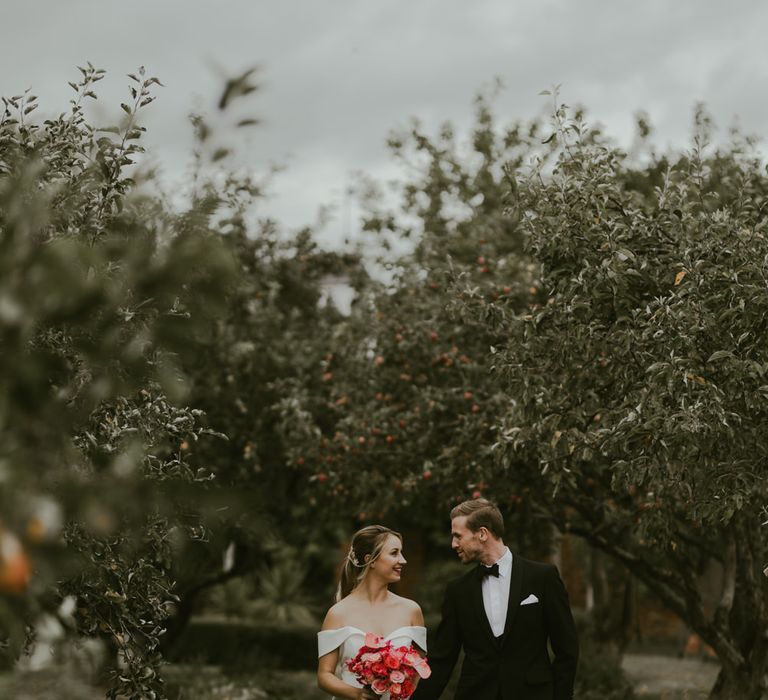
column 515, row 588
column 476, row 586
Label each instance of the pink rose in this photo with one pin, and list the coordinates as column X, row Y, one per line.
column 423, row 669
column 395, row 689
column 412, row 658
column 374, row 641
column 371, row 657
column 397, row 677
column 398, row 653
column 379, row 686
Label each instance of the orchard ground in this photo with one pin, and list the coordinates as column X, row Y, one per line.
column 654, row 677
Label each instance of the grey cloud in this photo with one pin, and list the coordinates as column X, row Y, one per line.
column 339, row 74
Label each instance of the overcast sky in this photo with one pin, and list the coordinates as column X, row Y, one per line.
column 337, row 75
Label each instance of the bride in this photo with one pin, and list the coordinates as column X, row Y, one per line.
column 365, row 604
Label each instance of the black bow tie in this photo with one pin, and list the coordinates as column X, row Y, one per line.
column 483, row 571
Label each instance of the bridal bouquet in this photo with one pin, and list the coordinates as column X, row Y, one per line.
column 384, row 668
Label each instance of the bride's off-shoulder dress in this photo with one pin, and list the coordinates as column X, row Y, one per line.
column 348, row 641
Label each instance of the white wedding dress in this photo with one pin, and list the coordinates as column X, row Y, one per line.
column 348, row 641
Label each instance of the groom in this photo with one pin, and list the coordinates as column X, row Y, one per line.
column 502, row 613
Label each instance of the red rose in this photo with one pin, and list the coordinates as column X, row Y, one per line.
column 392, row 662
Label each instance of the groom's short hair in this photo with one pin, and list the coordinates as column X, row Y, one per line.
column 480, row 513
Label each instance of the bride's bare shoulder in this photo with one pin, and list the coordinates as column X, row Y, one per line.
column 411, row 609
column 336, row 616
column 404, row 603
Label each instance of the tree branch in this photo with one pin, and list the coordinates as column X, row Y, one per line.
column 720, row 617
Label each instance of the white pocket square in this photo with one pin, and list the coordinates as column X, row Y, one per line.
column 530, row 600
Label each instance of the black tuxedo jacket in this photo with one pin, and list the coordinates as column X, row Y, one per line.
column 515, row 666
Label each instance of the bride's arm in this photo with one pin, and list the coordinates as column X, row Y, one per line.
column 327, row 680
column 417, row 617
column 417, row 620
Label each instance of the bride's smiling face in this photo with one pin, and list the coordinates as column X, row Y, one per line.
column 389, row 564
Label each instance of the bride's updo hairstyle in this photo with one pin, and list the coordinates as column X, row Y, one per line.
column 367, row 544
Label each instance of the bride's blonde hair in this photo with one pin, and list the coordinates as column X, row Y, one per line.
column 366, row 547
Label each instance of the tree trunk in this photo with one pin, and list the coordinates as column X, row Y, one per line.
column 741, row 614
column 187, row 604
column 740, row 683
column 735, row 623
column 746, row 678
column 612, row 612
column 176, row 625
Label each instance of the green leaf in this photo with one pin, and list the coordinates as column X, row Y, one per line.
column 719, row 355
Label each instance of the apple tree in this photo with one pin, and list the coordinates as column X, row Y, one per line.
column 638, row 380
column 410, row 408
column 101, row 295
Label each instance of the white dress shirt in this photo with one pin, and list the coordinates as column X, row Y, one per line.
column 496, row 594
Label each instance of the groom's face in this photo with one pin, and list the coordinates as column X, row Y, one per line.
column 468, row 545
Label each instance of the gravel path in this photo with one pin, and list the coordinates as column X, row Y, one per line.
column 654, row 677
column 670, row 677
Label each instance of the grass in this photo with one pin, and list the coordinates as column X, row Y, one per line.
column 675, row 695
column 203, row 682
column 50, row 684
column 183, row 682
column 210, row 683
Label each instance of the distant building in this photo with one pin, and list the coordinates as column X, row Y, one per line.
column 337, row 290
